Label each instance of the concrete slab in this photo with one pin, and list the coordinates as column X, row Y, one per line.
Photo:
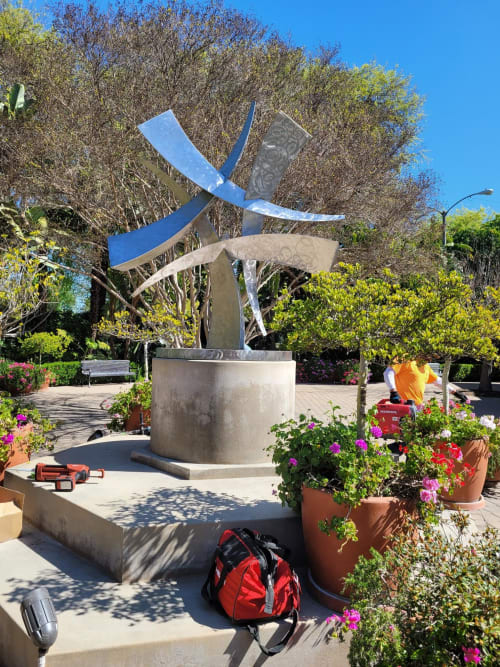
column 156, row 624
column 186, row 470
column 139, row 523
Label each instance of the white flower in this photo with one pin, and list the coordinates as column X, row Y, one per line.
column 488, row 422
column 445, row 433
column 461, row 415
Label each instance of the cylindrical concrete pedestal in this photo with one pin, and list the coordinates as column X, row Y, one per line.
column 219, row 410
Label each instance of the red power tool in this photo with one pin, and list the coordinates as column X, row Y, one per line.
column 390, row 414
column 65, row 476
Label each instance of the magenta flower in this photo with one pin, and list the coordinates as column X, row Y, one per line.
column 428, row 496
column 7, row 439
column 311, row 425
column 330, row 619
column 21, row 418
column 351, row 618
column 376, row 431
column 292, row 461
column 379, row 453
column 472, row 654
column 334, row 448
column 430, row 484
column 361, row 444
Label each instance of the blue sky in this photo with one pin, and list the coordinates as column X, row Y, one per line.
column 449, row 48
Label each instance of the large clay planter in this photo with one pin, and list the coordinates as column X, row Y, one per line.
column 134, row 420
column 475, row 453
column 376, row 520
column 18, row 450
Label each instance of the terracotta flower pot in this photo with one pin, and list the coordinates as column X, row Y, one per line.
column 18, row 452
column 475, row 453
column 376, row 519
column 134, row 420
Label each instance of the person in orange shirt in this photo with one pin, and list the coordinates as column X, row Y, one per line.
column 407, row 382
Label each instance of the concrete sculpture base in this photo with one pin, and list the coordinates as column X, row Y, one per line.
column 217, row 406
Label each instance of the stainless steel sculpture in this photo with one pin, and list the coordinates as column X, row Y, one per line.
column 280, row 146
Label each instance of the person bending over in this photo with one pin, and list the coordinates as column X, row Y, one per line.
column 407, row 381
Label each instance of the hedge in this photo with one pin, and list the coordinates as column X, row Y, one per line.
column 69, row 373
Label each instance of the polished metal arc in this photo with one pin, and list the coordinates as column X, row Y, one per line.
column 281, row 144
column 306, row 253
column 131, row 249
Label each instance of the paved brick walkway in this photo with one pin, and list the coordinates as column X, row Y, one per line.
column 80, row 413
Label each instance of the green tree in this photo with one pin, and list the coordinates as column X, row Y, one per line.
column 376, row 317
column 45, row 344
column 26, row 286
column 83, row 152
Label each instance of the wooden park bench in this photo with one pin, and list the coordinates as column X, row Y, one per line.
column 106, row 368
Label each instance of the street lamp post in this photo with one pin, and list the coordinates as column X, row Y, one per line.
column 486, row 191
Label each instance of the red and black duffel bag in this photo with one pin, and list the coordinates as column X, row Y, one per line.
column 251, row 582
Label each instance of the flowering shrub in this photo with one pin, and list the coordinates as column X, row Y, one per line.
column 123, row 403
column 18, row 377
column 13, row 415
column 442, row 607
column 318, row 371
column 330, row 456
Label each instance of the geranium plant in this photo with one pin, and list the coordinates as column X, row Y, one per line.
column 120, row 409
column 431, row 599
column 432, row 425
column 332, row 457
column 15, row 414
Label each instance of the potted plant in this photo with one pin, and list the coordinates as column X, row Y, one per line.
column 126, row 407
column 440, row 608
column 352, row 493
column 22, row 431
column 461, row 443
column 23, row 378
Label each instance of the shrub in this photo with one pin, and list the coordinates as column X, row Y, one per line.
column 462, row 372
column 432, row 599
column 123, row 403
column 18, row 377
column 66, row 373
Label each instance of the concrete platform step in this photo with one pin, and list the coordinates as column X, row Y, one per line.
column 105, row 624
column 139, row 523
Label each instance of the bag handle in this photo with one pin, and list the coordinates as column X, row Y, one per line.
column 277, row 648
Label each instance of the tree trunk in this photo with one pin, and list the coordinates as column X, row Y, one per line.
column 446, row 375
column 97, row 291
column 485, row 385
column 361, row 398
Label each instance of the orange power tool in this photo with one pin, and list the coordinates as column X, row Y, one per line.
column 65, row 476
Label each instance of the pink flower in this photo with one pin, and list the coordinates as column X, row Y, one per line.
column 472, row 654
column 376, row 431
column 311, row 425
column 351, row 618
column 430, row 484
column 7, row 439
column 361, row 444
column 292, row 461
column 334, row 448
column 330, row 619
column 428, row 496
column 21, row 418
